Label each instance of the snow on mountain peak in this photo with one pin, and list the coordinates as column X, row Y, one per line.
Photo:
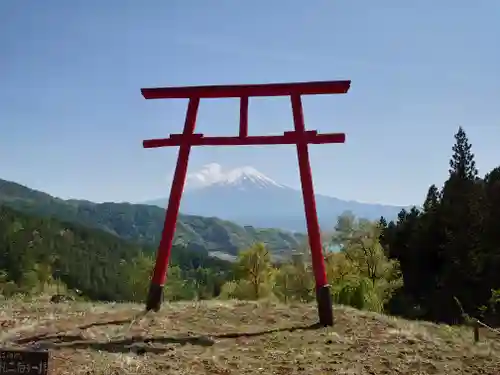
column 213, row 174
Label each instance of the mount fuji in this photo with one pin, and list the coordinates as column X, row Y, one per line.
column 248, row 197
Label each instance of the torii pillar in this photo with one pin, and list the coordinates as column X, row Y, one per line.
column 299, row 137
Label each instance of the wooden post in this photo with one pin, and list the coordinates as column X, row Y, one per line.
column 475, row 327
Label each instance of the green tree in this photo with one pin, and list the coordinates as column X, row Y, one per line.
column 254, row 270
column 177, row 288
column 294, row 280
column 283, row 281
column 462, row 164
column 137, row 272
column 44, row 275
column 339, row 268
column 462, row 209
column 362, row 259
column 360, row 244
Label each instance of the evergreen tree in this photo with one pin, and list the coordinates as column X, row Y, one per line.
column 382, row 222
column 428, row 243
column 432, row 200
column 462, row 162
column 462, row 209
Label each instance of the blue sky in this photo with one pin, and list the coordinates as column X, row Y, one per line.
column 72, row 118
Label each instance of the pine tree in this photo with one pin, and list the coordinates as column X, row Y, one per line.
column 462, row 164
column 382, row 222
column 432, row 200
column 462, row 219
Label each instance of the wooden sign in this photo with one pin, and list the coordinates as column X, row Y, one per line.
column 26, row 362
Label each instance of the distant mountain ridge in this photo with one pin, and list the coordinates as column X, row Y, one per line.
column 142, row 224
column 248, row 197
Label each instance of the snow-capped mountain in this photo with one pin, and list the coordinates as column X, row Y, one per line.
column 239, row 178
column 248, row 197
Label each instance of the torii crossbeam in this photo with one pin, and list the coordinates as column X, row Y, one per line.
column 299, row 137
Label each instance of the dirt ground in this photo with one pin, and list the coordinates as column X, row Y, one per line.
column 220, row 337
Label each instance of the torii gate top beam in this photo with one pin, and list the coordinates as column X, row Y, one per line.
column 239, row 91
column 244, row 92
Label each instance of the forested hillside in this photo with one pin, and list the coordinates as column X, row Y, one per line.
column 449, row 251
column 143, row 223
column 36, row 252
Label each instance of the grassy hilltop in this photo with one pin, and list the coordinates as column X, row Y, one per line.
column 226, row 337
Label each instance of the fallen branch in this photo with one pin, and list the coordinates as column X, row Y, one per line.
column 474, row 322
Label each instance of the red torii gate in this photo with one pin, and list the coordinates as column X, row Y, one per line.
column 300, row 137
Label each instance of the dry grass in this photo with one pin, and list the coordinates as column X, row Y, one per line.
column 239, row 338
